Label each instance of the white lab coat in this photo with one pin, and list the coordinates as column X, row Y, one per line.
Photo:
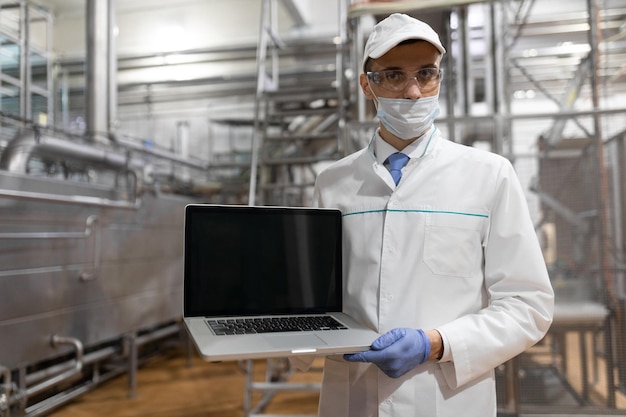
column 451, row 247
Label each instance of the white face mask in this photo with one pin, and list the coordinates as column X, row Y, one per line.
column 407, row 119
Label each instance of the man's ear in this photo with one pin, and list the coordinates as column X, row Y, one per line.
column 365, row 87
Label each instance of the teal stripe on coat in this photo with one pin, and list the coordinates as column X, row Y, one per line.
column 458, row 213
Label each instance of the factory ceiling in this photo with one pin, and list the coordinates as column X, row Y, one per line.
column 547, row 47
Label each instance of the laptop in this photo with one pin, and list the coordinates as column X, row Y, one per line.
column 251, row 272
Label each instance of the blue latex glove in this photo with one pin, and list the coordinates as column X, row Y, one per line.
column 396, row 352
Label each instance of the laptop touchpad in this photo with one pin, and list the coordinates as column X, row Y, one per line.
column 291, row 341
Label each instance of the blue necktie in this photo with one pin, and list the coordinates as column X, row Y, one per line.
column 396, row 162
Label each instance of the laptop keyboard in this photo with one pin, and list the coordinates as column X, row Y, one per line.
column 250, row 325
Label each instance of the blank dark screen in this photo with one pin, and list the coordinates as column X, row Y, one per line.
column 243, row 260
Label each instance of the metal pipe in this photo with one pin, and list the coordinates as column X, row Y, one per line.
column 71, row 373
column 342, row 41
column 247, row 395
column 256, row 133
column 51, row 70
column 16, row 155
column 24, row 70
column 130, row 341
column 166, row 155
column 88, row 359
column 98, row 77
column 74, row 199
column 53, row 235
column 69, row 369
column 526, row 116
column 18, row 152
column 451, row 82
column 490, row 61
column 384, row 8
column 45, row 406
column 133, row 342
column 561, row 209
column 88, row 275
column 465, row 85
column 112, row 69
column 357, row 51
column 158, row 334
column 295, row 14
column 501, row 103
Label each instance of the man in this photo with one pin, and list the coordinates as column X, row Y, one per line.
column 445, row 264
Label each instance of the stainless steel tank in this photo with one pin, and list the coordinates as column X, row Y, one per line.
column 82, row 263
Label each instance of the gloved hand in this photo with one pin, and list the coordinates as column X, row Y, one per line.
column 396, row 352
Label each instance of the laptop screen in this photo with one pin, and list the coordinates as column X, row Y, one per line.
column 242, row 260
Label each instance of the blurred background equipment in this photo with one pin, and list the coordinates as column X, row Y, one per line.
column 115, row 114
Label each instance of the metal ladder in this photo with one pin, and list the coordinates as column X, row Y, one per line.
column 278, row 372
column 300, row 109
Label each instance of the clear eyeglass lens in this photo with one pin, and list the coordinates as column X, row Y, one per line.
column 395, row 80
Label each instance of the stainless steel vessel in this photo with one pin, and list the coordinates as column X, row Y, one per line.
column 90, row 259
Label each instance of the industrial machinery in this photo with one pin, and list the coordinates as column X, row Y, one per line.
column 91, row 230
column 91, row 267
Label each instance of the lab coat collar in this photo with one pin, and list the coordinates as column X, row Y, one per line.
column 380, row 150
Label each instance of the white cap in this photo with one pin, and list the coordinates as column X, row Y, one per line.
column 394, row 29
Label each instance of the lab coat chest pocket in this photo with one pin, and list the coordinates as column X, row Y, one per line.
column 453, row 243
